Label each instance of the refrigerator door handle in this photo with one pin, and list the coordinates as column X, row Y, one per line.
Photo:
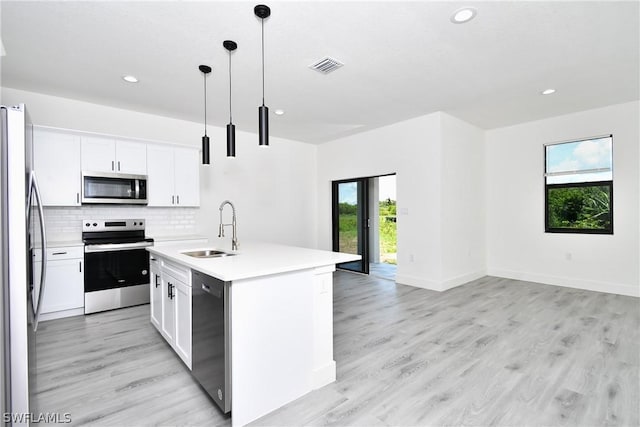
column 43, row 273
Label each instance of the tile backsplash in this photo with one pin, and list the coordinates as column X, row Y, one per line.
column 65, row 223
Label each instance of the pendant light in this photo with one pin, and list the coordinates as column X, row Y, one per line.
column 231, row 128
column 205, row 69
column 262, row 11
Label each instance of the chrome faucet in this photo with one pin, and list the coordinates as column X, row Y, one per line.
column 234, row 238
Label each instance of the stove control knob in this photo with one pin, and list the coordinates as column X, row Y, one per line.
column 135, row 223
column 95, row 224
column 87, row 224
column 140, row 223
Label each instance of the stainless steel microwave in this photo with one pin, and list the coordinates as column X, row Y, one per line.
column 114, row 188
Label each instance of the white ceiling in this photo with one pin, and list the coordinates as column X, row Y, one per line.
column 402, row 59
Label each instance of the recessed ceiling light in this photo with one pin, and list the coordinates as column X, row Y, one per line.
column 548, row 91
column 130, row 79
column 279, row 112
column 463, row 15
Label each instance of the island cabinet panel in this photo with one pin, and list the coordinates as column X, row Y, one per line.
column 170, row 294
column 156, row 294
column 272, row 353
column 183, row 322
column 324, row 367
column 168, row 309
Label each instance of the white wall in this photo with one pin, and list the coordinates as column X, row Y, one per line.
column 416, row 151
column 463, row 202
column 274, row 188
column 519, row 248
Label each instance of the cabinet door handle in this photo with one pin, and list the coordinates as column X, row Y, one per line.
column 118, row 165
column 112, row 166
column 80, row 266
column 78, row 198
column 172, row 200
column 178, row 199
column 58, row 253
column 157, row 284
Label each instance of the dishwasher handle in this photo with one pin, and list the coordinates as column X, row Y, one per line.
column 217, row 291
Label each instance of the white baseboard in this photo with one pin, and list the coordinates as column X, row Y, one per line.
column 325, row 374
column 417, row 282
column 568, row 282
column 461, row 280
column 444, row 285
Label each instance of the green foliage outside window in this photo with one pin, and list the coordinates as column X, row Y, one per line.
column 584, row 207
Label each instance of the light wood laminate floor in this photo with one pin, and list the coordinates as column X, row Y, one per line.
column 492, row 352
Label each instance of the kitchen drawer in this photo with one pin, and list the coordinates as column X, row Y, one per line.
column 177, row 271
column 67, row 252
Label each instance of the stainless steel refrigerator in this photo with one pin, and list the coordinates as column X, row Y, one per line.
column 22, row 235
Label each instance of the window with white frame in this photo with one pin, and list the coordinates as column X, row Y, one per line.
column 579, row 186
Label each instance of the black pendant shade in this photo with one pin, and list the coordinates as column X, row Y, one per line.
column 262, row 11
column 263, row 125
column 231, row 140
column 205, row 150
column 205, row 69
column 230, row 45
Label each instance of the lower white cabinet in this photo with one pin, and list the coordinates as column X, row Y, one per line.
column 64, row 282
column 155, row 296
column 182, row 302
column 171, row 305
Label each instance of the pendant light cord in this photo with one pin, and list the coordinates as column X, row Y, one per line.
column 262, row 20
column 205, row 103
column 230, row 114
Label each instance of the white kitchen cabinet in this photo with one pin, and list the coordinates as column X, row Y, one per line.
column 156, row 294
column 171, row 306
column 173, row 176
column 64, row 282
column 56, row 159
column 187, row 177
column 183, row 318
column 107, row 154
column 131, row 157
column 168, row 308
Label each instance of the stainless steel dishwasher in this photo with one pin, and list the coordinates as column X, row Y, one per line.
column 211, row 356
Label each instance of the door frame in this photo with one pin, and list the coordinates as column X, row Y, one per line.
column 363, row 220
column 366, row 223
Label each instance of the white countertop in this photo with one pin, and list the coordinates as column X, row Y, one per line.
column 253, row 259
column 169, row 238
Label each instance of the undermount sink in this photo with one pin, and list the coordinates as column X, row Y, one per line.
column 207, row 253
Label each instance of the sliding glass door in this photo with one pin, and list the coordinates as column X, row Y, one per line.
column 351, row 222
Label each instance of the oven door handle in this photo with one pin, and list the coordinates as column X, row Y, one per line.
column 110, row 247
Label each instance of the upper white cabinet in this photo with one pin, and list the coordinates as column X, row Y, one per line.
column 56, row 158
column 106, row 154
column 131, row 157
column 60, row 157
column 187, row 177
column 173, row 176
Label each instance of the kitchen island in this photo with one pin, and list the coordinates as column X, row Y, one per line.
column 280, row 315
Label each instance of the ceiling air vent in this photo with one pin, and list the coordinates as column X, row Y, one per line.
column 326, row 65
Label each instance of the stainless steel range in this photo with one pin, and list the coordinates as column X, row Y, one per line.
column 116, row 272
